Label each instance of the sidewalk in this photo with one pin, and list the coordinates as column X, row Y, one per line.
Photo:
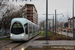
column 53, row 45
column 53, row 42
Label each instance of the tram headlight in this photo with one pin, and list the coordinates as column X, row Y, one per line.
column 22, row 35
column 11, row 35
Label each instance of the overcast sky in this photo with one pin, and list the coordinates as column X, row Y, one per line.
column 62, row 6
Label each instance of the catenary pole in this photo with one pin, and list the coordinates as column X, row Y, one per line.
column 55, row 21
column 73, row 23
column 46, row 21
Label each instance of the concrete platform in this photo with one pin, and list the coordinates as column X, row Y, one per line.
column 53, row 43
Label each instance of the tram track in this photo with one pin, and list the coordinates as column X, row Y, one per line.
column 5, row 44
column 18, row 45
column 11, row 45
column 26, row 44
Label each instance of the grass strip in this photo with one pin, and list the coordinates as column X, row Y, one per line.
column 8, row 38
column 44, row 33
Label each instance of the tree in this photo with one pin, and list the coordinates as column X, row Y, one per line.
column 10, row 11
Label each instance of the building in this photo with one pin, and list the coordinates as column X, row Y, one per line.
column 42, row 25
column 70, row 22
column 30, row 12
column 50, row 24
column 59, row 24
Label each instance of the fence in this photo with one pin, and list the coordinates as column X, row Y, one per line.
column 4, row 32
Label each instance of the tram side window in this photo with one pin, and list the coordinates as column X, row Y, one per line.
column 30, row 28
column 33, row 28
column 26, row 28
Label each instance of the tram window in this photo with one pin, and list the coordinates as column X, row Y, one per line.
column 17, row 28
column 26, row 28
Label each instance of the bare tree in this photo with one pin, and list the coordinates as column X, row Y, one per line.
column 9, row 13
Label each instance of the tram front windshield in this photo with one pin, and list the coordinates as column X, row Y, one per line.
column 17, row 28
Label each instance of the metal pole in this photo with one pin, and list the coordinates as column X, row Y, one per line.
column 46, row 21
column 49, row 26
column 73, row 22
column 55, row 21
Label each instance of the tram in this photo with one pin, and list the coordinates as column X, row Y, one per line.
column 22, row 29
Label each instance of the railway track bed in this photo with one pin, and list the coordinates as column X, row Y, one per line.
column 11, row 45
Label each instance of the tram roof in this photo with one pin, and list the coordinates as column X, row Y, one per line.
column 21, row 20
